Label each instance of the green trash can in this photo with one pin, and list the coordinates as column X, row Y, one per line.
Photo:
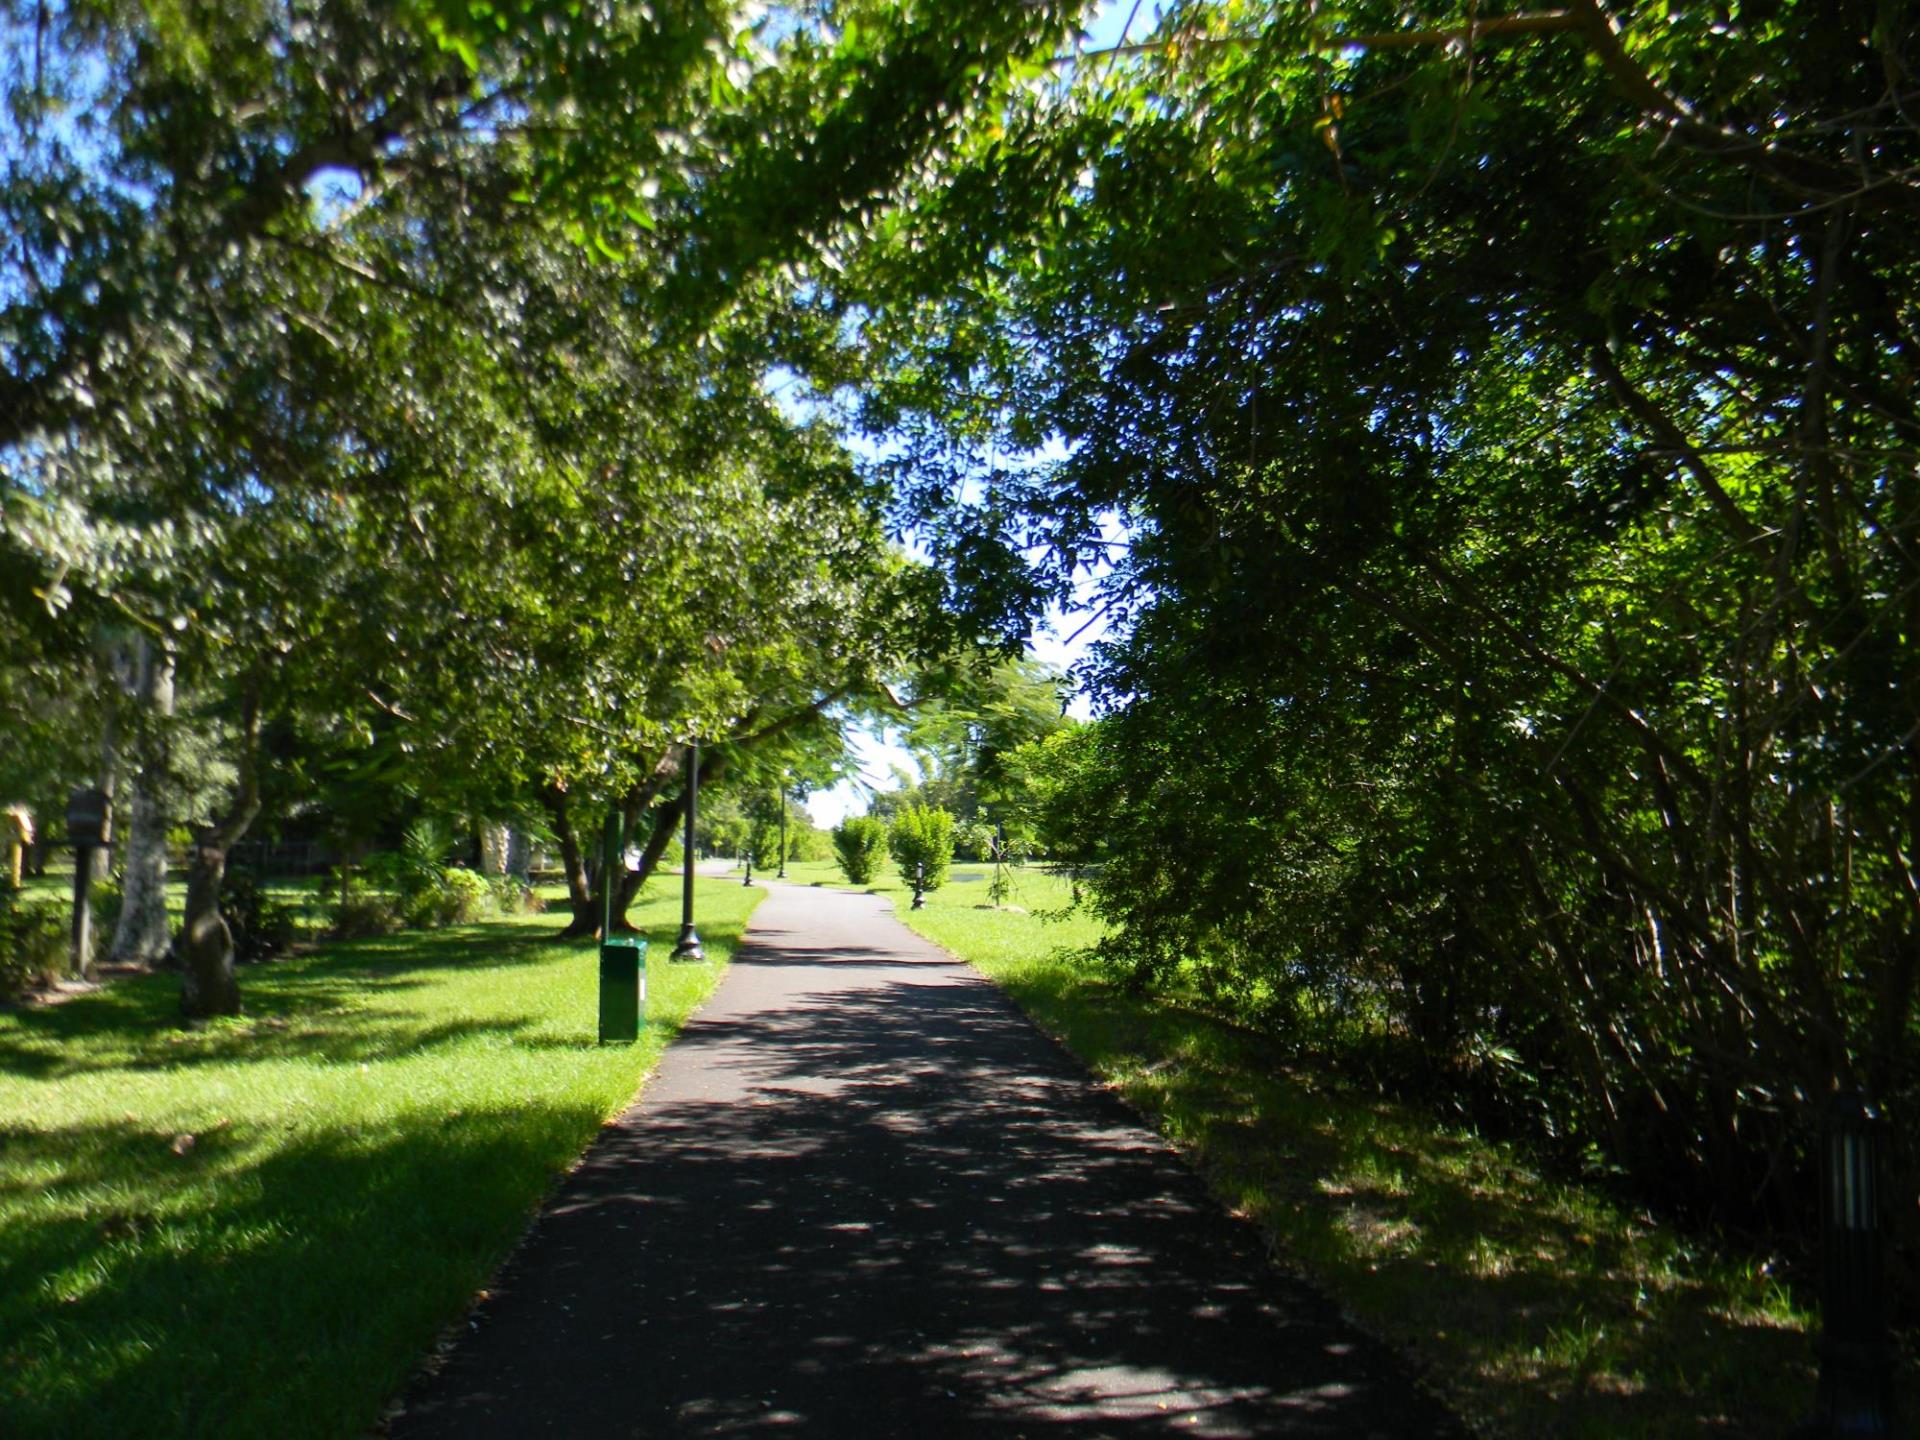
column 623, row 989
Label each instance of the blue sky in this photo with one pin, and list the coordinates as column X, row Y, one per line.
column 1057, row 642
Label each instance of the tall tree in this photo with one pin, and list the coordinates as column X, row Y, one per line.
column 1513, row 632
column 288, row 291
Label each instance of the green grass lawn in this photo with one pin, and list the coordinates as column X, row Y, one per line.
column 1536, row 1306
column 257, row 1228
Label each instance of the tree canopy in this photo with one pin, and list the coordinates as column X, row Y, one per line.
column 408, row 378
column 1507, row 421
column 1490, row 438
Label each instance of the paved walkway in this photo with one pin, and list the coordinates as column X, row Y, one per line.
column 863, row 1196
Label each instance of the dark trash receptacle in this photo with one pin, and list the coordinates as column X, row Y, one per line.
column 623, row 988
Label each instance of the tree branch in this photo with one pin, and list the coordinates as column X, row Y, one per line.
column 1652, row 418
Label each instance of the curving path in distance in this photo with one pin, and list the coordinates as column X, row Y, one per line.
column 864, row 1196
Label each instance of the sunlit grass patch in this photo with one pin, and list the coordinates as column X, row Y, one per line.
column 257, row 1227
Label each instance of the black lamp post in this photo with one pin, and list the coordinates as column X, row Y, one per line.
column 1856, row 1355
column 689, row 948
column 783, row 828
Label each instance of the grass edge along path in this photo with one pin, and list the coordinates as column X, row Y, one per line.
column 1535, row 1306
column 261, row 1227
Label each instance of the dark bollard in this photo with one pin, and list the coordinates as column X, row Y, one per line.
column 1856, row 1354
column 623, row 989
column 623, row 958
column 920, row 886
column 748, row 878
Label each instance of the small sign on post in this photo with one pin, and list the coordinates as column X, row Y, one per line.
column 89, row 819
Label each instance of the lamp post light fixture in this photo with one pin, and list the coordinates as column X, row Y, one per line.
column 688, row 949
column 1855, row 1398
column 748, row 880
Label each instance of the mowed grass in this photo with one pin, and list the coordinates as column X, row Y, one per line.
column 1537, row 1307
column 258, row 1228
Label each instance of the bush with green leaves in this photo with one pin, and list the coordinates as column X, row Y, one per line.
column 922, row 840
column 362, row 914
column 513, row 897
column 419, row 888
column 108, row 900
column 418, row 867
column 973, row 840
column 804, row 842
column 262, row 927
column 459, row 897
column 859, row 841
column 34, row 940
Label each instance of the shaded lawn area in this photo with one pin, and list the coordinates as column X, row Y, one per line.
column 259, row 1227
column 1537, row 1306
column 299, row 893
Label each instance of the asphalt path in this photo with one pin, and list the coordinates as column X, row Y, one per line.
column 864, row 1196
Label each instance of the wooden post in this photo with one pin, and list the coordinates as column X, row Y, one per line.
column 88, row 831
column 83, row 910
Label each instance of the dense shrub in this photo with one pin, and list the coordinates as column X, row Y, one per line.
column 457, row 897
column 360, row 914
column 922, row 839
column 108, row 899
column 34, row 940
column 417, row 868
column 805, row 842
column 973, row 841
column 262, row 927
column 415, row 886
column 858, row 843
column 513, row 897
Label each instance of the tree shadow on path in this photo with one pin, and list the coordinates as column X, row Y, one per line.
column 866, row 1197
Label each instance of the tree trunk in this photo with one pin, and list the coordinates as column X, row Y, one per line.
column 141, row 935
column 208, row 986
column 586, row 918
column 493, row 849
column 666, row 821
column 636, row 803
